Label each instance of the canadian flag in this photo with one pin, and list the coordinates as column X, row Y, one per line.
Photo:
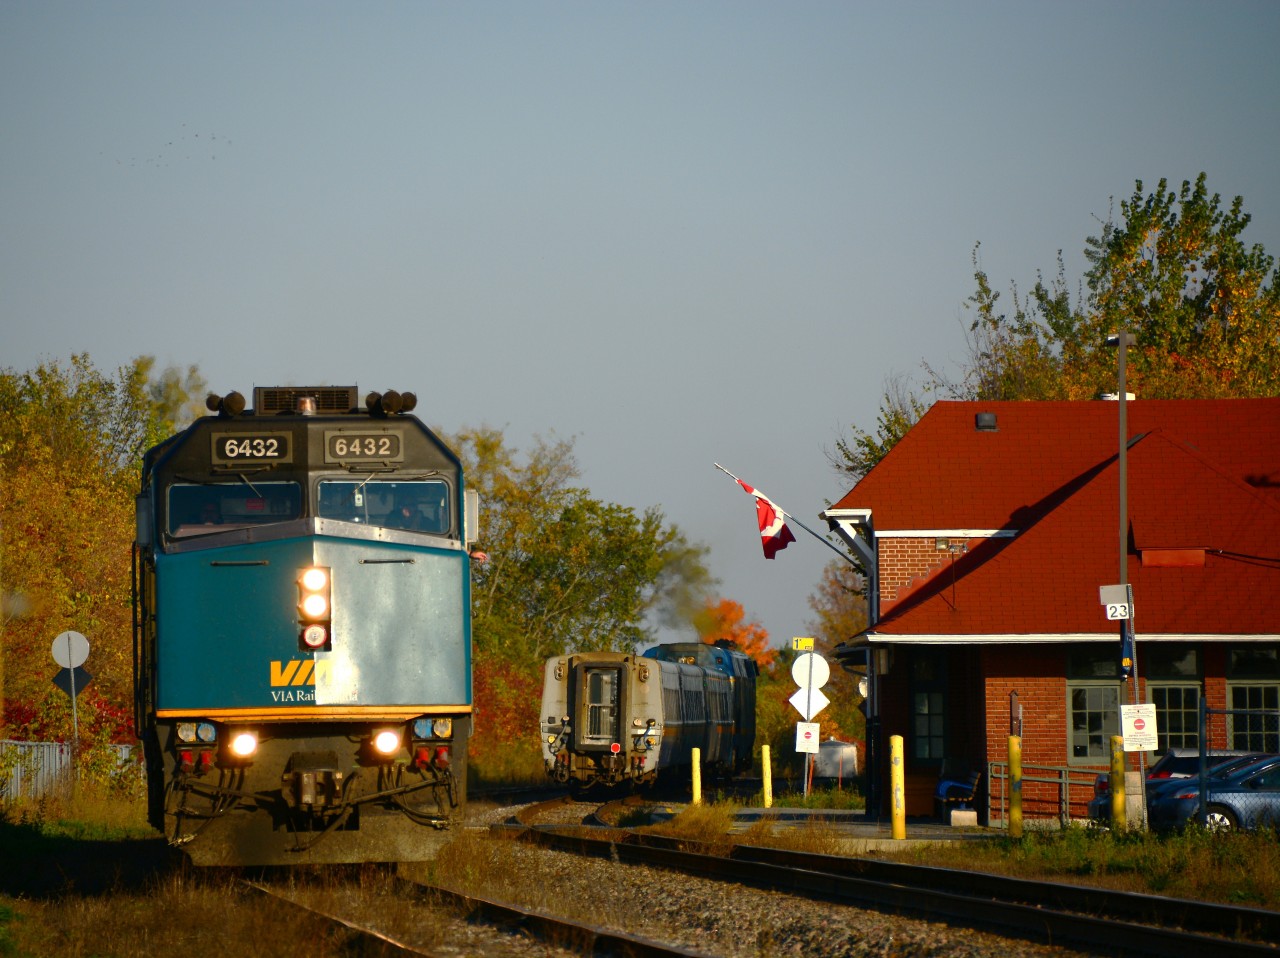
column 774, row 534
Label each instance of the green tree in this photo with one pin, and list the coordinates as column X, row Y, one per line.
column 566, row 570
column 900, row 409
column 177, row 395
column 1174, row 270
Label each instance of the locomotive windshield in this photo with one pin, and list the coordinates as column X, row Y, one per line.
column 414, row 505
column 216, row 507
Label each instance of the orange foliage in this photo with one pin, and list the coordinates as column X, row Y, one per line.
column 723, row 620
column 507, row 698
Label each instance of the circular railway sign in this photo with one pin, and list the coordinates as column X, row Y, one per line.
column 70, row 649
column 810, row 669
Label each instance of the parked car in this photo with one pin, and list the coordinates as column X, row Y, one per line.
column 1176, row 763
column 1244, row 797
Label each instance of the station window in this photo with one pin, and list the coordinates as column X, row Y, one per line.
column 1173, row 686
column 1093, row 700
column 928, row 705
column 1253, row 695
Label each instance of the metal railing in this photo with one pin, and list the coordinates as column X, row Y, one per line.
column 1062, row 776
column 36, row 769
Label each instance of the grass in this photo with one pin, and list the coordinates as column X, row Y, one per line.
column 829, row 796
column 85, row 814
column 1235, row 869
column 85, row 875
column 178, row 913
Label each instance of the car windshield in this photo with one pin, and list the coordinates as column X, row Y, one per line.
column 412, row 505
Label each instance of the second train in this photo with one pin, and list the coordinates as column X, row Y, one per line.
column 615, row 718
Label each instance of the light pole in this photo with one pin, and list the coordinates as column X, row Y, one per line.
column 1128, row 644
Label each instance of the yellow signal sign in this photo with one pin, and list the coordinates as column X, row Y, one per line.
column 801, row 644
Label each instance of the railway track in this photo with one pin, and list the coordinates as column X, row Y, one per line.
column 1102, row 921
column 571, row 937
column 1083, row 918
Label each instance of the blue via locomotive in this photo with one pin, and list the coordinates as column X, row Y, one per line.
column 611, row 718
column 302, row 636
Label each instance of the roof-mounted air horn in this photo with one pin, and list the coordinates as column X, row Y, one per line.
column 232, row 404
column 390, row 403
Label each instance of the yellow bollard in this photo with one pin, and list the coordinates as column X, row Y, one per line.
column 1119, row 815
column 897, row 787
column 1015, row 786
column 697, row 776
column 767, row 773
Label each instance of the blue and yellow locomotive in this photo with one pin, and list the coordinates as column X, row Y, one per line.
column 302, row 630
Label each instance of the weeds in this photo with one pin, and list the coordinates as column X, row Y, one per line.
column 89, row 812
column 708, row 824
column 846, row 799
column 1236, row 868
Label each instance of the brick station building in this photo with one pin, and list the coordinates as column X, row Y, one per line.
column 987, row 532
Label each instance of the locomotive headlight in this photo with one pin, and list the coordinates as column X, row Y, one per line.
column 442, row 727
column 386, row 741
column 205, row 732
column 315, row 606
column 315, row 579
column 314, row 609
column 244, row 744
column 186, row 731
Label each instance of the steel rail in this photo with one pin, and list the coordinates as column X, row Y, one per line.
column 585, row 939
column 821, row 877
column 386, row 944
column 1185, row 914
column 577, row 936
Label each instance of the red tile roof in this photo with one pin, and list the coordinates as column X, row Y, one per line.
column 1203, row 475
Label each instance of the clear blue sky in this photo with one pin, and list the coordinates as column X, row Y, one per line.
column 682, row 233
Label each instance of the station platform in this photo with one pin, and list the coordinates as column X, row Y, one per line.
column 858, row 832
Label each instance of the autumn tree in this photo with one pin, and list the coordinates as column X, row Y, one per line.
column 1174, row 270
column 566, row 571
column 839, row 606
column 71, row 439
column 723, row 619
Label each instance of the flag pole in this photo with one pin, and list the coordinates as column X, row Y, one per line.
column 788, row 515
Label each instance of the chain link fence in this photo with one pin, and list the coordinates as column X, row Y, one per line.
column 1250, row 798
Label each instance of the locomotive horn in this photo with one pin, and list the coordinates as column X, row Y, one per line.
column 232, row 404
column 389, row 403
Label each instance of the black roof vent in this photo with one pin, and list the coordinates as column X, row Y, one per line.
column 985, row 422
column 329, row 400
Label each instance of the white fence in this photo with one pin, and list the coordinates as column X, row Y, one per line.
column 35, row 769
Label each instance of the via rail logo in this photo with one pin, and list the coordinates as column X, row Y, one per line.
column 298, row 672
